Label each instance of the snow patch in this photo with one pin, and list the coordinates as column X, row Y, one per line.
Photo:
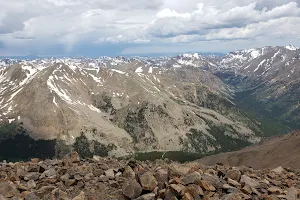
column 94, row 108
column 54, row 101
column 255, row 54
column 118, row 71
column 62, row 94
column 139, row 70
column 260, row 64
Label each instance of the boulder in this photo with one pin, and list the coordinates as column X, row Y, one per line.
column 234, row 174
column 162, row 175
column 192, row 178
column 246, row 180
column 8, row 190
column 132, row 189
column 71, row 158
column 148, row 181
column 110, row 173
column 81, row 196
column 207, row 186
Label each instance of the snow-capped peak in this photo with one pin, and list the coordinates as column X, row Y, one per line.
column 291, row 47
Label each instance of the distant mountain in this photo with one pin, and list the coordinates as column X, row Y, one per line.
column 268, row 78
column 190, row 102
column 128, row 105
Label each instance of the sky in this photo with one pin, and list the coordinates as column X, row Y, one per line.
column 144, row 27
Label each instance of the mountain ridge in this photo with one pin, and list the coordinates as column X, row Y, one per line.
column 118, row 101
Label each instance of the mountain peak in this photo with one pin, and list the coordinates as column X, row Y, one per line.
column 291, row 47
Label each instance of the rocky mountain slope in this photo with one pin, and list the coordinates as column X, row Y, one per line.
column 117, row 106
column 125, row 105
column 268, row 79
column 280, row 150
column 109, row 179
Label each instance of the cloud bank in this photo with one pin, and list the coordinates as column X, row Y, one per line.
column 113, row 27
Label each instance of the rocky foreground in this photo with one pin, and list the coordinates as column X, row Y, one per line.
column 107, row 178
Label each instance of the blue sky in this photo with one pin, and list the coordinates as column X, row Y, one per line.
column 111, row 27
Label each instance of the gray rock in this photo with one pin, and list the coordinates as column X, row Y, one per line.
column 128, row 173
column 8, row 190
column 234, row 174
column 31, row 196
column 132, row 189
column 246, row 180
column 50, row 173
column 31, row 184
column 162, row 175
column 148, row 181
column 192, row 178
column 150, row 196
column 110, row 173
column 81, row 196
column 32, row 176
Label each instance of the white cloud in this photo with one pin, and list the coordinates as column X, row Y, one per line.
column 38, row 24
column 165, row 13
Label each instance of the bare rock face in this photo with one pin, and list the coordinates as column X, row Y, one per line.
column 147, row 180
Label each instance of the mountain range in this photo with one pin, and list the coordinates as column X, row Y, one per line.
column 119, row 106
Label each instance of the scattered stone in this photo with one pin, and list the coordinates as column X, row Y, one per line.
column 132, row 189
column 187, row 196
column 103, row 178
column 31, row 196
column 31, row 184
column 249, row 181
column 162, row 176
column 70, row 182
column 32, row 176
column 207, row 186
column 234, row 174
column 247, row 189
column 178, row 189
column 233, row 196
column 148, row 181
column 192, row 178
column 58, row 194
column 108, row 178
column 81, row 196
column 275, row 190
column 97, row 158
column 233, row 183
column 128, row 173
column 291, row 194
column 35, row 160
column 278, row 170
column 150, row 196
column 195, row 189
column 71, row 158
column 110, row 173
column 50, row 173
column 8, row 189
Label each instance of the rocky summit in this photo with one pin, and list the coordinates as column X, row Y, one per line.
column 108, row 179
